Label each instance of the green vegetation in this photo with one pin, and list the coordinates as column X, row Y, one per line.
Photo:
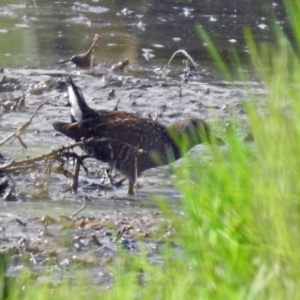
column 239, row 233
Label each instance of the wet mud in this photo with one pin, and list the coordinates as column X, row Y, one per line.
column 63, row 246
column 36, row 224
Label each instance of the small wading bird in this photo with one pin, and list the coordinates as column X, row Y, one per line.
column 129, row 143
column 83, row 60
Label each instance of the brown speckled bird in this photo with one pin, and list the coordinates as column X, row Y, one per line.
column 129, row 143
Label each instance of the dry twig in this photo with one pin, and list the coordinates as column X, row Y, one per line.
column 16, row 134
column 185, row 54
column 78, row 211
column 29, row 162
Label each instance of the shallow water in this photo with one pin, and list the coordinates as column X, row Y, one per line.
column 40, row 32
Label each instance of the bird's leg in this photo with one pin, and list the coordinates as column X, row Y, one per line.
column 130, row 189
column 134, row 173
column 137, row 189
column 79, row 162
column 133, row 177
column 135, row 170
column 74, row 185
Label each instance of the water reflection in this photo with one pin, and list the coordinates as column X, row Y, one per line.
column 39, row 33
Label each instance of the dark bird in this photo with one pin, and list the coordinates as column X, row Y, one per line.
column 117, row 136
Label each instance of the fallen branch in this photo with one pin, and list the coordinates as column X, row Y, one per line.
column 12, row 165
column 54, row 154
